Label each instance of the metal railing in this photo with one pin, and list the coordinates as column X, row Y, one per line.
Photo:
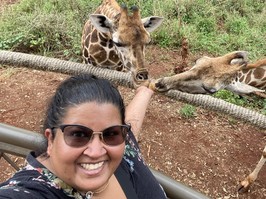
column 20, row 142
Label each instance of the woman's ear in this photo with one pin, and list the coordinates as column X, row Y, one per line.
column 49, row 135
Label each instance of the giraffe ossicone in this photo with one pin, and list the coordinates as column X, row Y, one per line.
column 115, row 37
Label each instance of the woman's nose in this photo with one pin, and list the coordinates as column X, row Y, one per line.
column 95, row 147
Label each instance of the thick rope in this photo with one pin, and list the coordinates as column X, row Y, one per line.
column 215, row 104
column 124, row 79
column 60, row 66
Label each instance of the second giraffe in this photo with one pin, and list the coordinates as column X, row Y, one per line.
column 115, row 38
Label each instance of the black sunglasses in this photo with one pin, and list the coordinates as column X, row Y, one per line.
column 77, row 135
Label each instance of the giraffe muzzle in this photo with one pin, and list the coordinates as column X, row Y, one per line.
column 142, row 75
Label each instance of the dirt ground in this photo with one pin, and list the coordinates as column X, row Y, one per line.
column 211, row 152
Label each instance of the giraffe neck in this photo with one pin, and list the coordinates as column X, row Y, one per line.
column 255, row 77
column 98, row 48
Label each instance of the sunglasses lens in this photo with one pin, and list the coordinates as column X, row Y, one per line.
column 115, row 135
column 77, row 136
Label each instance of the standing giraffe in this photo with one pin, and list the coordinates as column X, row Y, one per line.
column 114, row 38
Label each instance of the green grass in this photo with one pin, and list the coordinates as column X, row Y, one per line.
column 53, row 27
column 188, row 111
column 250, row 102
column 45, row 27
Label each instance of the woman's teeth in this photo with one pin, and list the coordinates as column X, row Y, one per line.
column 92, row 166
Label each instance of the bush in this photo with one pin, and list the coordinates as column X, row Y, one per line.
column 236, row 25
column 215, row 27
column 45, row 27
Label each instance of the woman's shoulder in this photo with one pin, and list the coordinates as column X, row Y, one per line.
column 132, row 154
column 138, row 171
column 19, row 186
column 28, row 184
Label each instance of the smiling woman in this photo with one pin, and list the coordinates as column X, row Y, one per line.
column 90, row 148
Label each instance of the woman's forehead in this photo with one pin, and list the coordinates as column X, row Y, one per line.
column 92, row 111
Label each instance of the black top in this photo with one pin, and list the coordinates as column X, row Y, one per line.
column 35, row 181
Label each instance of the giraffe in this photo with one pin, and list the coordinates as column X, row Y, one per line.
column 250, row 80
column 246, row 183
column 114, row 38
column 207, row 76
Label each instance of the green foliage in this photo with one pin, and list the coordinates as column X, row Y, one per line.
column 216, row 27
column 206, row 25
column 231, row 97
column 45, row 27
column 251, row 102
column 236, row 25
column 188, row 111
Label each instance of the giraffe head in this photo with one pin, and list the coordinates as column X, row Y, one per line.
column 208, row 75
column 129, row 34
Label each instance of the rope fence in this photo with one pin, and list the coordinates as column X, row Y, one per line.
column 16, row 59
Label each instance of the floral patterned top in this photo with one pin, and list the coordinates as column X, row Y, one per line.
column 37, row 182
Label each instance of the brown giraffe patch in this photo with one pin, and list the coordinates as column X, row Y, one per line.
column 114, row 56
column 94, row 37
column 259, row 73
column 100, row 55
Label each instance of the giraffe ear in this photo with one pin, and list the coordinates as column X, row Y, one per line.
column 101, row 22
column 151, row 23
